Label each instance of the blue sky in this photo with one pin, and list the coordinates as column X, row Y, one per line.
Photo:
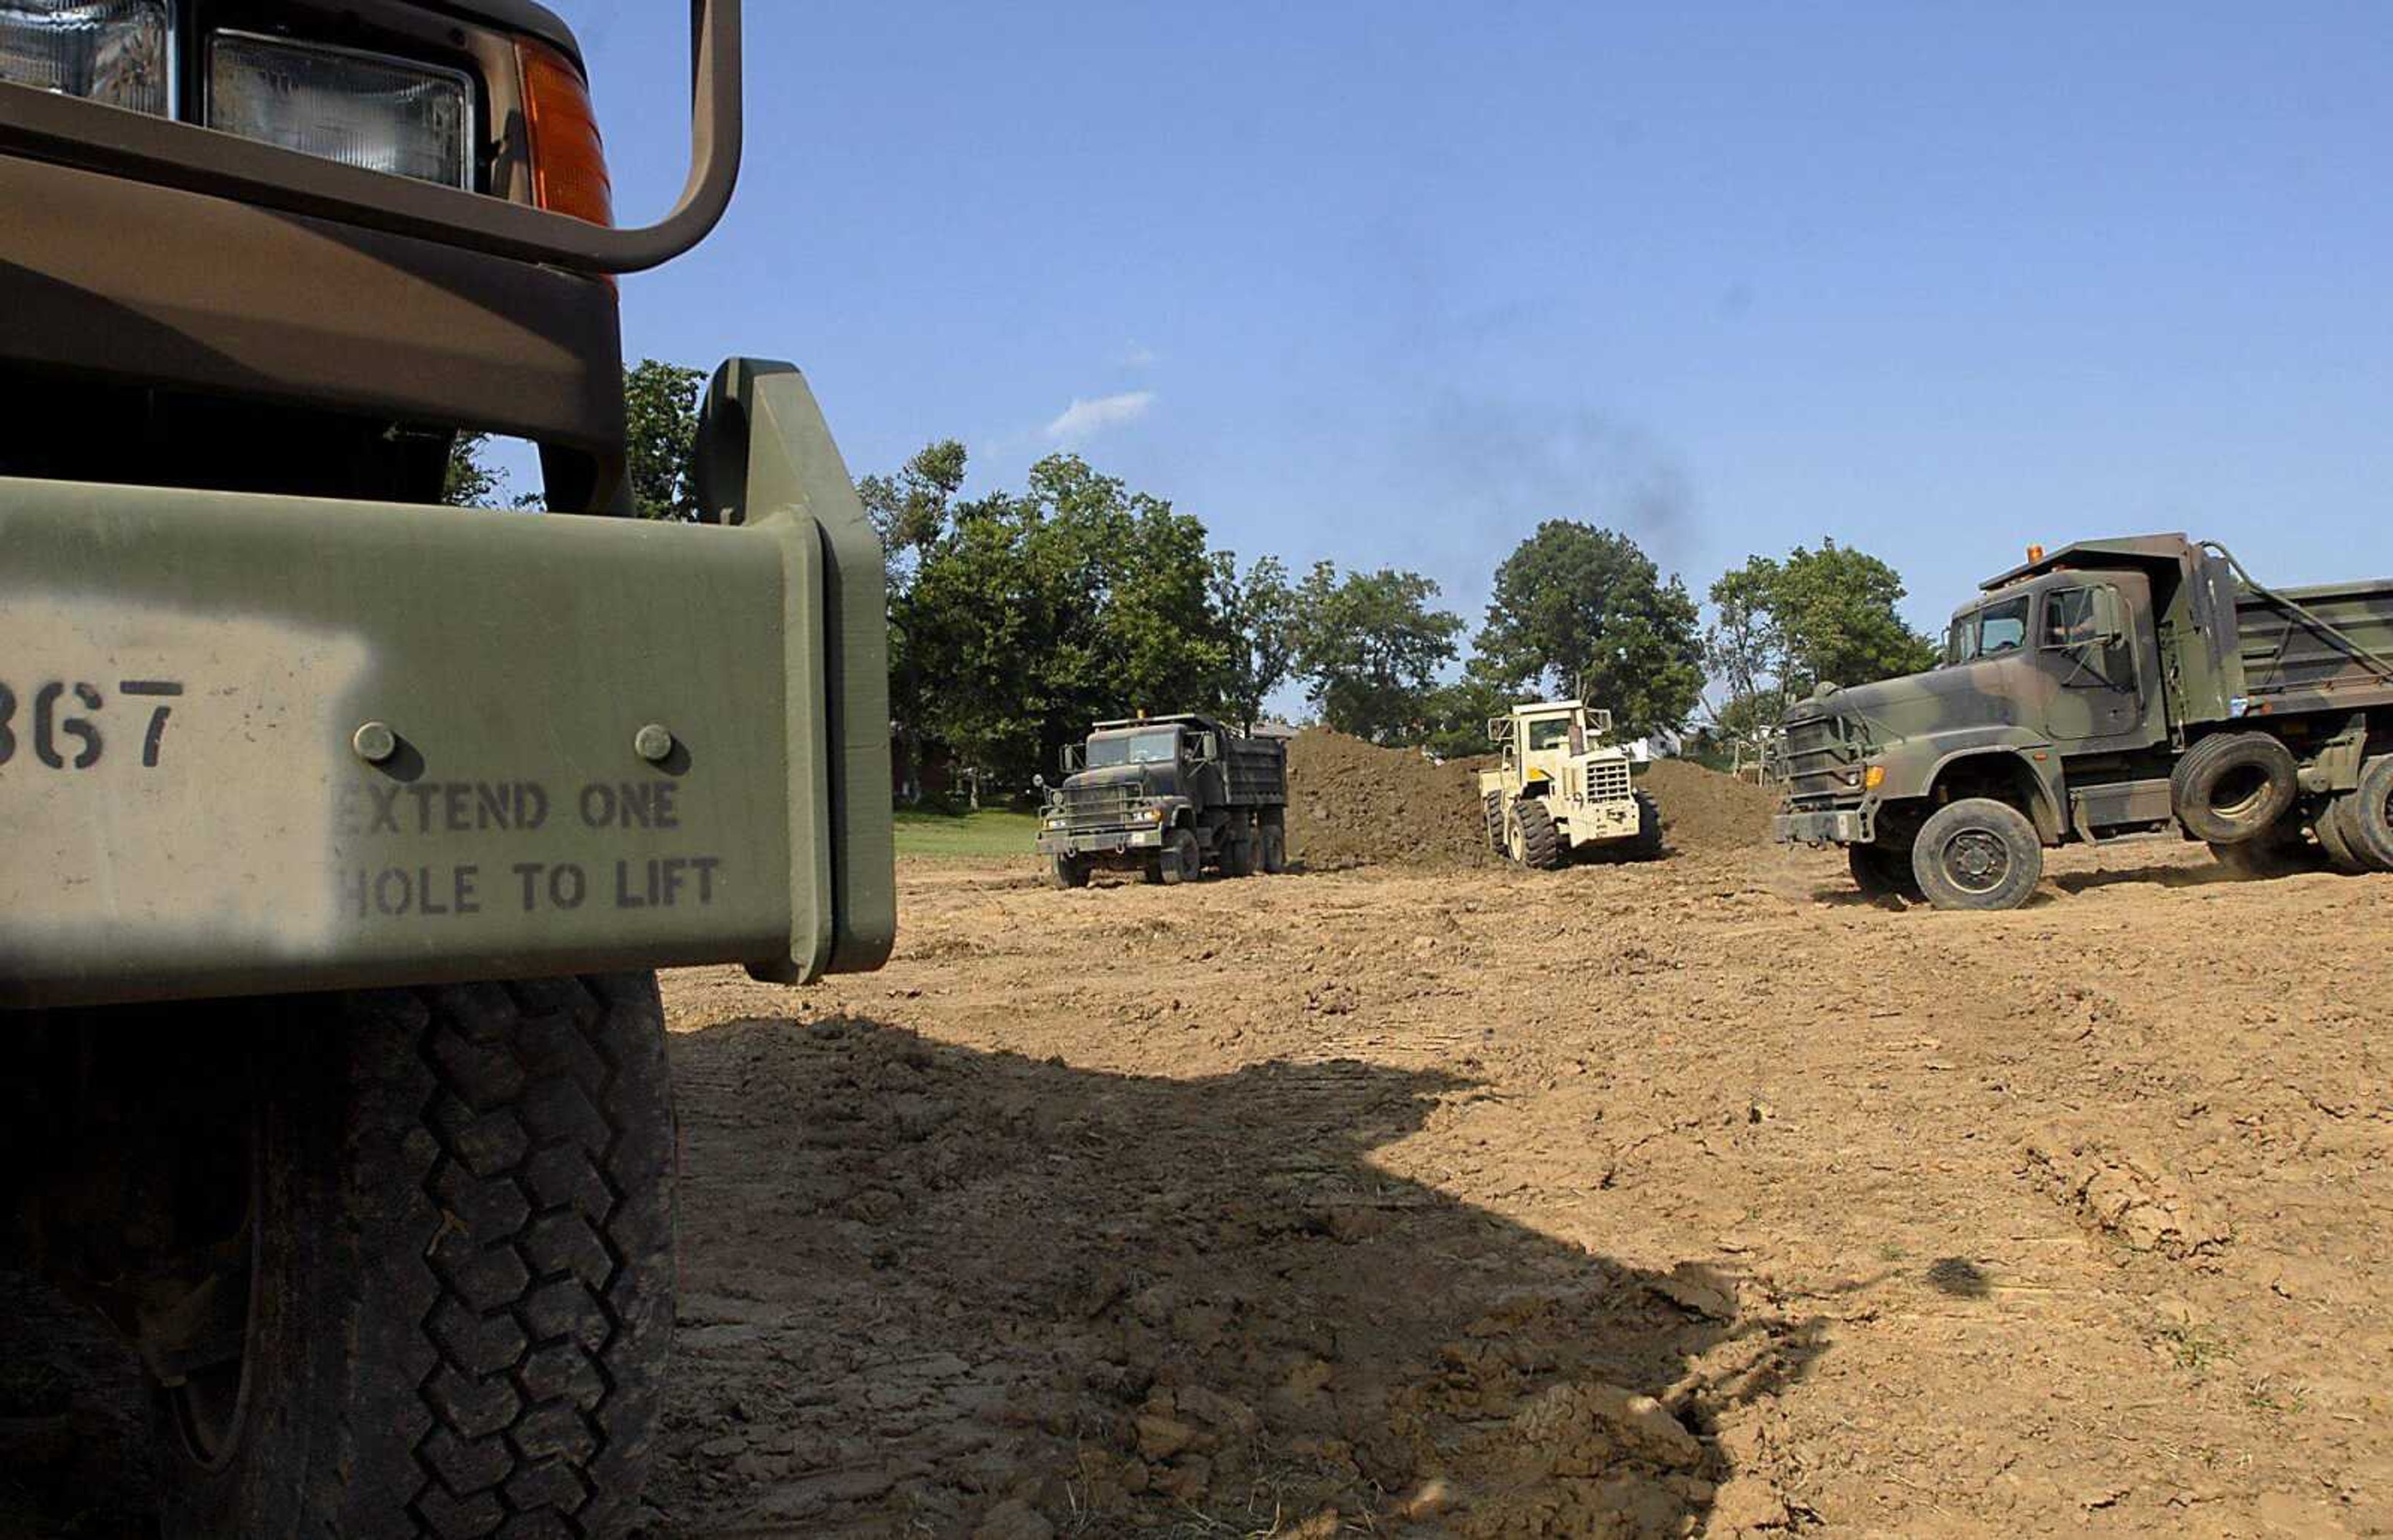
column 1391, row 283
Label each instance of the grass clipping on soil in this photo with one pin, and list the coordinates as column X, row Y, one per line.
column 1352, row 802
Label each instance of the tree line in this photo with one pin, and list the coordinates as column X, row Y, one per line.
column 1017, row 616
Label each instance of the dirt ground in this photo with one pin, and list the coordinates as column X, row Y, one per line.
column 1698, row 1197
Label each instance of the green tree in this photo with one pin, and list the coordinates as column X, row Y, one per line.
column 660, row 430
column 1370, row 646
column 1257, row 611
column 1783, row 627
column 1582, row 610
column 471, row 482
column 1033, row 614
column 1459, row 712
column 912, row 510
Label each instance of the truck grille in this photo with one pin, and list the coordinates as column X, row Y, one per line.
column 1607, row 782
column 1819, row 753
column 1088, row 807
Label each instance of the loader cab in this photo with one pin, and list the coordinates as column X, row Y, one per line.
column 1539, row 741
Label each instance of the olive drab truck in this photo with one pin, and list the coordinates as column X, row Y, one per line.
column 1169, row 798
column 2113, row 689
column 1562, row 788
column 341, row 831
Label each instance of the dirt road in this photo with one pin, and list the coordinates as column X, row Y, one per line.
column 1698, row 1197
column 1624, row 1200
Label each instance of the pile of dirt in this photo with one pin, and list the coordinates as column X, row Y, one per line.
column 1704, row 810
column 1352, row 802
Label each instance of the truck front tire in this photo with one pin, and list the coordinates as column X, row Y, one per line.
column 1880, row 871
column 1978, row 853
column 1069, row 871
column 460, row 1278
column 2234, row 786
column 1181, row 860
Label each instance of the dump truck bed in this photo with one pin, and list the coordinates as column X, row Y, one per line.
column 2317, row 648
column 1258, row 771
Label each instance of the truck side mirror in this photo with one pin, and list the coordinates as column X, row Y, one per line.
column 1067, row 757
column 2110, row 618
column 1039, row 782
column 1209, row 746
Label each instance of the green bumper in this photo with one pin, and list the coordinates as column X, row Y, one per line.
column 254, row 744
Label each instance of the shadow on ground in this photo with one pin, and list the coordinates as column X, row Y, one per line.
column 925, row 1288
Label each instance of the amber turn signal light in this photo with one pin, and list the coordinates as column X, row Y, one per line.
column 569, row 165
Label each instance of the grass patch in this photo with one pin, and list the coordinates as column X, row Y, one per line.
column 987, row 833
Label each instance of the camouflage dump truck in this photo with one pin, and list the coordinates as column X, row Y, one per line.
column 1564, row 787
column 1168, row 797
column 340, row 831
column 2117, row 687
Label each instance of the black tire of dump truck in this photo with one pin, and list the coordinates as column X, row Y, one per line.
column 2336, row 837
column 1881, row 872
column 2369, row 825
column 2234, row 786
column 1978, row 853
column 460, row 1276
column 1541, row 844
column 1181, row 860
column 1274, row 851
column 1238, row 856
column 1069, row 871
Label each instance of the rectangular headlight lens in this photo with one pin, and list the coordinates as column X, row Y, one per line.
column 113, row 51
column 386, row 114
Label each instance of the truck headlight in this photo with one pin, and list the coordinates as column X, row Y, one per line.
column 370, row 111
column 120, row 52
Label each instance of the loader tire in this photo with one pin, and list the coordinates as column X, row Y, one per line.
column 1494, row 804
column 1540, row 844
column 459, row 1290
column 1647, row 846
column 2234, row 786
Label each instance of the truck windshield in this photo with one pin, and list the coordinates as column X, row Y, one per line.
column 1982, row 633
column 1549, row 733
column 1160, row 747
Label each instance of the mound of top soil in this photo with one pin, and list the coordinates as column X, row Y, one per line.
column 1352, row 802
column 1704, row 810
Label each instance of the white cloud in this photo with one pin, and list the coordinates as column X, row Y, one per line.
column 1082, row 419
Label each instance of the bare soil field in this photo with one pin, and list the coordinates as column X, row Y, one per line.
column 1698, row 1196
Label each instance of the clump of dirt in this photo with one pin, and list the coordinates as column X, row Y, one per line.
column 1353, row 803
column 1702, row 810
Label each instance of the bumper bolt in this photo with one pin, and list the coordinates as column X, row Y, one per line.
column 652, row 743
column 374, row 742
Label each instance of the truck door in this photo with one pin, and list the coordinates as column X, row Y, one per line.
column 2088, row 641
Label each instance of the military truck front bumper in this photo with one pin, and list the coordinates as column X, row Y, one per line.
column 1842, row 826
column 255, row 744
column 1101, row 842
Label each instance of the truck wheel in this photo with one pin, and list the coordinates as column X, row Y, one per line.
column 458, row 1297
column 1495, row 805
column 2368, row 826
column 1069, row 872
column 1880, row 871
column 1238, row 856
column 2336, row 837
column 2234, row 786
column 1535, row 841
column 1181, row 860
column 1648, row 846
column 1978, row 853
column 1275, row 853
